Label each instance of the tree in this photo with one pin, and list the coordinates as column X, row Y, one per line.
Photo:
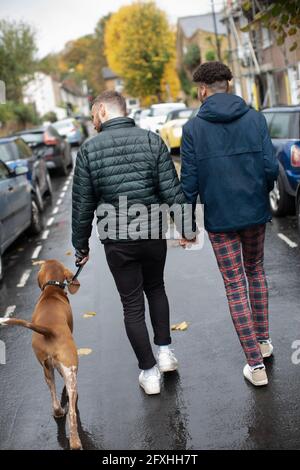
column 192, row 57
column 17, row 51
column 281, row 16
column 139, row 44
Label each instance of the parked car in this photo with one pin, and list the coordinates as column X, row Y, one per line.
column 83, row 121
column 144, row 114
column 70, row 129
column 48, row 143
column 16, row 153
column 284, row 126
column 158, row 114
column 18, row 207
column 171, row 131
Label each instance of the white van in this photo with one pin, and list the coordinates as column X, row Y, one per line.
column 158, row 114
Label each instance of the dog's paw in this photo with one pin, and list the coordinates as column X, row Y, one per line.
column 75, row 443
column 59, row 413
column 3, row 321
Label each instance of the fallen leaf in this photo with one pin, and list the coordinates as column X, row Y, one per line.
column 84, row 351
column 68, row 253
column 36, row 263
column 89, row 314
column 180, row 326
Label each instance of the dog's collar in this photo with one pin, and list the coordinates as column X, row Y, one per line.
column 62, row 285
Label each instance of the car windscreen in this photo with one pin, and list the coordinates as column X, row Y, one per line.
column 282, row 126
column 34, row 138
column 6, row 152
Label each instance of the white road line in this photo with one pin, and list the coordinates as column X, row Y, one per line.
column 24, row 278
column 59, row 201
column 36, row 252
column 62, row 194
column 50, row 221
column 287, row 240
column 9, row 311
column 65, row 188
column 55, row 210
column 45, row 235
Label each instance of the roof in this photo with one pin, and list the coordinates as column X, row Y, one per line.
column 191, row 24
column 108, row 74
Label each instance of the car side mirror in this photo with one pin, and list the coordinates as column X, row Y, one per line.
column 20, row 170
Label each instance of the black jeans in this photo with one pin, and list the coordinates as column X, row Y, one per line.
column 138, row 267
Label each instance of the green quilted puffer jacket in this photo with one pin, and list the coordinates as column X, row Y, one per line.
column 128, row 162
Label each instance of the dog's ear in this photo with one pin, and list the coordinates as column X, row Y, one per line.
column 73, row 286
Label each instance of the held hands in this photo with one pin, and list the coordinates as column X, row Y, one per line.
column 187, row 243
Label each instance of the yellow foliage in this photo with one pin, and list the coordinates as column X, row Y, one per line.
column 138, row 45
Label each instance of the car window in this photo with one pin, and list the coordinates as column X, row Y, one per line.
column 6, row 153
column 268, row 117
column 4, row 173
column 34, row 138
column 24, row 151
column 281, row 126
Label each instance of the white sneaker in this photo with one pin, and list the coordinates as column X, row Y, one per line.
column 150, row 383
column 266, row 348
column 167, row 361
column 257, row 376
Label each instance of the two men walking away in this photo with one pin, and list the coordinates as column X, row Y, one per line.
column 228, row 160
column 124, row 161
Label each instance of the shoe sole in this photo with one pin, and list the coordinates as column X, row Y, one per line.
column 150, row 393
column 168, row 369
column 267, row 355
column 256, row 384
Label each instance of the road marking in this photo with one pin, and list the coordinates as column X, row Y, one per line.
column 55, row 210
column 65, row 188
column 45, row 235
column 62, row 194
column 59, row 201
column 287, row 240
column 36, row 252
column 50, row 221
column 24, row 278
column 9, row 311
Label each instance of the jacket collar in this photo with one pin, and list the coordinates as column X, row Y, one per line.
column 118, row 122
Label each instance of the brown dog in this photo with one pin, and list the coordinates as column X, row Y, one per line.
column 52, row 340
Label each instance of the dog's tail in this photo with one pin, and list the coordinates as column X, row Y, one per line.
column 42, row 330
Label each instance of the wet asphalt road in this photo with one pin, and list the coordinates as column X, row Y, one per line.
column 206, row 405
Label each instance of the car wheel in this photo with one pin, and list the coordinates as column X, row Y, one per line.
column 39, row 198
column 281, row 202
column 36, row 225
column 64, row 171
column 49, row 191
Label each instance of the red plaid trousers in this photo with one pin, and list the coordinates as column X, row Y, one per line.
column 240, row 256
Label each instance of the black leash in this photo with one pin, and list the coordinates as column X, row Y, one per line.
column 80, row 267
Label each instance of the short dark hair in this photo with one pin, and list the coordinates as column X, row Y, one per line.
column 111, row 97
column 212, row 72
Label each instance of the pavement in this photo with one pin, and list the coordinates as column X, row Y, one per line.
column 205, row 405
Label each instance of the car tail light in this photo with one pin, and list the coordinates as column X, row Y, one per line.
column 295, row 155
column 50, row 140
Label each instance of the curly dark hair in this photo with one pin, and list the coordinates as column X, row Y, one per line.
column 211, row 72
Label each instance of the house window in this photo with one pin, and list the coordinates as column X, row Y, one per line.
column 266, row 38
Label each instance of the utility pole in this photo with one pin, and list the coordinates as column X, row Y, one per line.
column 216, row 31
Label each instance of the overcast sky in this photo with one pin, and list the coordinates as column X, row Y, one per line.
column 58, row 21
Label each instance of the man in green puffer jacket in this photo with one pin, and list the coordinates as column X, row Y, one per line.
column 124, row 174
